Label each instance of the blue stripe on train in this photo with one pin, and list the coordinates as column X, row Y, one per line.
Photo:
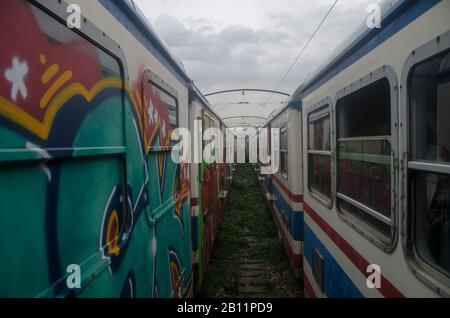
column 293, row 219
column 336, row 281
column 398, row 17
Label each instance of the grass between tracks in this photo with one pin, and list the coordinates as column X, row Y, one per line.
column 247, row 216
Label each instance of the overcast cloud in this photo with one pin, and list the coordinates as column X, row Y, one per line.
column 226, row 44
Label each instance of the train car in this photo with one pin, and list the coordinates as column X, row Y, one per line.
column 209, row 186
column 86, row 182
column 376, row 160
column 213, row 192
column 284, row 189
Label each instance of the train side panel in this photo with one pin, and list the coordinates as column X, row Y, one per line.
column 210, row 184
column 283, row 190
column 89, row 149
column 160, row 93
column 338, row 246
column 195, row 113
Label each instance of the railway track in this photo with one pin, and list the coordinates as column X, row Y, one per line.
column 248, row 260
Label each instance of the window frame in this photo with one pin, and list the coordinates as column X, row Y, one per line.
column 364, row 228
column 425, row 272
column 57, row 11
column 326, row 104
column 159, row 83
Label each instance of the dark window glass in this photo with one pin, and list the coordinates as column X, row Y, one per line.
column 430, row 110
column 364, row 168
column 169, row 103
column 432, row 218
column 364, row 155
column 366, row 112
column 319, row 174
column 320, row 131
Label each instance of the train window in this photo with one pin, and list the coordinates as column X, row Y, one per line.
column 430, row 110
column 319, row 153
column 284, row 152
column 160, row 111
column 164, row 103
column 429, row 168
column 364, row 156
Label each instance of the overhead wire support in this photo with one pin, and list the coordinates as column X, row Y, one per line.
column 248, row 90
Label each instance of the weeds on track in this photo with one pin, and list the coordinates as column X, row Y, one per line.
column 248, row 233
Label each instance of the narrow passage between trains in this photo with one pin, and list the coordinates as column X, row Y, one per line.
column 248, row 259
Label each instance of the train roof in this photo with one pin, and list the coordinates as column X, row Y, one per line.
column 395, row 15
column 133, row 19
column 196, row 95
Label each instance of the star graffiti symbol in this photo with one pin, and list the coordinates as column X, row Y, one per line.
column 16, row 76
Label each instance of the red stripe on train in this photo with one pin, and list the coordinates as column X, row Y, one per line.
column 294, row 197
column 387, row 289
column 296, row 259
column 308, row 288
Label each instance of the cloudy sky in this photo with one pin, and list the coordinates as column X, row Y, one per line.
column 226, row 44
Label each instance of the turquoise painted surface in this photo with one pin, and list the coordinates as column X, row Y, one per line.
column 79, row 181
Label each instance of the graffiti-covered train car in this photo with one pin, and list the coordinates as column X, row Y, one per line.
column 87, row 184
column 209, row 186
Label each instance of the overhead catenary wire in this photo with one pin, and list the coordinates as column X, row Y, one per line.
column 247, row 103
column 291, row 67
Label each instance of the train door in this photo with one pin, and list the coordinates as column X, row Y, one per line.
column 426, row 156
column 62, row 159
column 63, row 176
column 168, row 191
column 269, row 177
column 196, row 194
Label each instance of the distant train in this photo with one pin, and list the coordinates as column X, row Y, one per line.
column 87, row 184
column 363, row 188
